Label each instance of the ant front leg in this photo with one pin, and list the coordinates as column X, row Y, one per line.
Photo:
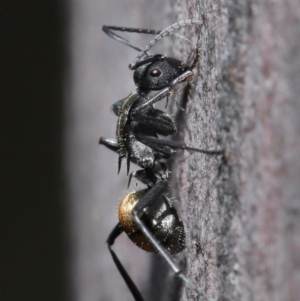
column 186, row 76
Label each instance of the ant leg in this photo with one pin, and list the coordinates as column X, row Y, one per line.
column 151, row 196
column 132, row 174
column 110, row 143
column 167, row 257
column 196, row 59
column 130, row 284
column 158, row 121
column 113, row 145
column 158, row 143
column 164, row 125
column 165, row 92
column 164, row 150
column 149, row 177
column 116, row 107
column 144, row 176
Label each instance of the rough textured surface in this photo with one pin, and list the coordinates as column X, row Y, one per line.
column 242, row 213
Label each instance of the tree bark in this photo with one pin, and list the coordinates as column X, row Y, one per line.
column 242, row 211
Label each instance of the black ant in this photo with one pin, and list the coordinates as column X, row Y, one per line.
column 147, row 216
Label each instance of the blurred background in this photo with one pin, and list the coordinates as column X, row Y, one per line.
column 59, row 189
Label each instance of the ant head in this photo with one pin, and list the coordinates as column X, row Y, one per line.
column 159, row 73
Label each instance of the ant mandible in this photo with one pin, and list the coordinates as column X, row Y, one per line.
column 147, row 216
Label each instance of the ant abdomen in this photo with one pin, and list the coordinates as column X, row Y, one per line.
column 161, row 219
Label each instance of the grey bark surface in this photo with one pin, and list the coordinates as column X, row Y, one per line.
column 242, row 212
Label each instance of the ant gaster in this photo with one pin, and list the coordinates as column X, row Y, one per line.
column 147, row 216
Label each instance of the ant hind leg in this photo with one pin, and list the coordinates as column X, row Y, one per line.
column 130, row 284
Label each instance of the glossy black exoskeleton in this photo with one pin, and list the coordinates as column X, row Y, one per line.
column 147, row 216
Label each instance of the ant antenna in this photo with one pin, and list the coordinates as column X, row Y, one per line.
column 166, row 32
column 109, row 31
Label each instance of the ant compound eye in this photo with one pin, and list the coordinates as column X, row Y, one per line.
column 155, row 72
